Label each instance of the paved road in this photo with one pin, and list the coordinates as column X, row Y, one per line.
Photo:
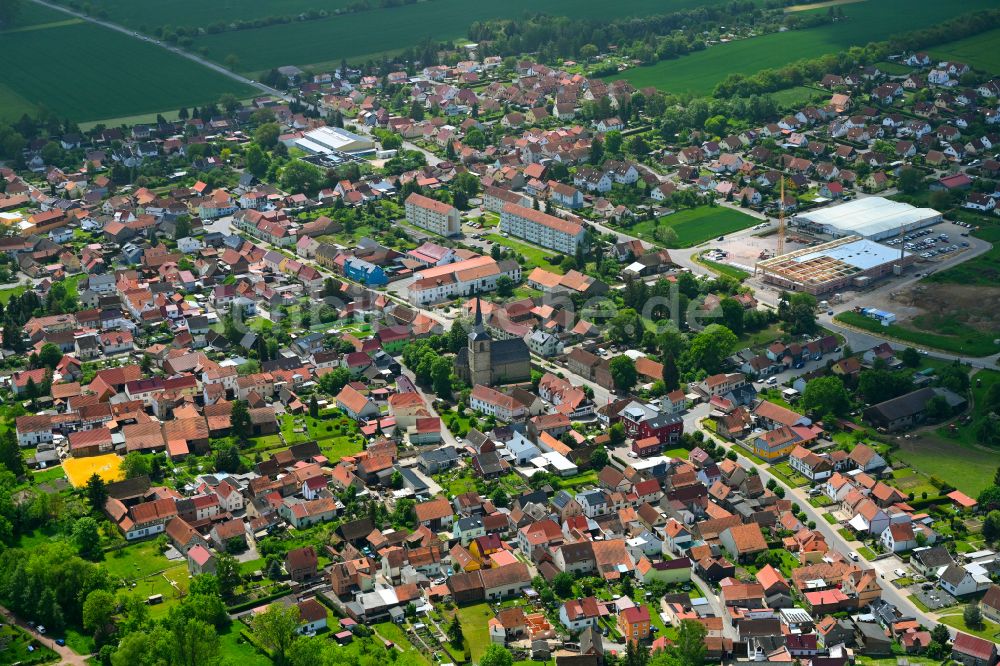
column 66, row 655
column 168, row 47
column 839, row 543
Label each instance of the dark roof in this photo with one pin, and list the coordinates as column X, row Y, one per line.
column 128, row 488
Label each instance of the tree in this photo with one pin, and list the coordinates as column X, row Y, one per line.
column 505, row 286
column 666, row 235
column 972, row 616
column 798, row 313
column 454, row 632
column 496, row 655
column 613, row 141
column 617, row 434
column 49, row 356
column 87, row 538
column 562, row 584
column 441, row 376
column 910, row 181
column 98, row 610
column 989, row 498
column 732, row 315
column 623, row 373
column 241, row 425
column 227, row 572
column 910, row 357
column 709, row 349
column 940, row 634
column 991, row 526
column 275, row 629
column 135, row 464
column 671, row 375
column 266, row 136
column 880, row 385
column 227, row 459
column 599, row 459
column 97, row 493
column 689, row 649
column 299, row 176
column 10, row 453
column 313, row 407
column 256, row 160
column 196, row 642
column 826, row 395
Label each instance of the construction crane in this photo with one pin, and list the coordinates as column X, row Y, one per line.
column 781, row 220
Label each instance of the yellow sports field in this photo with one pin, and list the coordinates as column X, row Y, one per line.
column 78, row 470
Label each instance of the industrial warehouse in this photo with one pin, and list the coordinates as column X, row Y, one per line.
column 845, row 263
column 874, row 218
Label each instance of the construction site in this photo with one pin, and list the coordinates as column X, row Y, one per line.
column 846, row 263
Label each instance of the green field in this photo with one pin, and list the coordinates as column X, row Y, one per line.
column 83, row 72
column 953, row 336
column 355, row 36
column 980, row 51
column 533, row 255
column 725, row 269
column 968, row 468
column 695, row 225
column 873, row 20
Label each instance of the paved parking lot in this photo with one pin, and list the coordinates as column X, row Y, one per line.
column 934, row 599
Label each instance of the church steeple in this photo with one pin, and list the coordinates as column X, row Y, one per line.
column 478, row 331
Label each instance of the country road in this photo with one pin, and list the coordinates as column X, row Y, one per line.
column 168, row 47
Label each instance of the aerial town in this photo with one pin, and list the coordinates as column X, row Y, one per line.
column 496, row 362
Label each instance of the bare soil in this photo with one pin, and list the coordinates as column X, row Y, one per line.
column 975, row 306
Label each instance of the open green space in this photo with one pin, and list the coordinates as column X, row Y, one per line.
column 533, row 255
column 82, row 71
column 866, row 553
column 969, row 468
column 990, row 630
column 238, row 650
column 724, row 269
column 870, row 21
column 797, row 96
column 979, row 51
column 475, row 626
column 788, row 475
column 952, row 336
column 354, row 36
column 695, row 225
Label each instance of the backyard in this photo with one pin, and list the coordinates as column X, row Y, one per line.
column 534, row 256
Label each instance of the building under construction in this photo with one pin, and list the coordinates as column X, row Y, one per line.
column 846, row 263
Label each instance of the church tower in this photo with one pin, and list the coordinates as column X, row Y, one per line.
column 480, row 351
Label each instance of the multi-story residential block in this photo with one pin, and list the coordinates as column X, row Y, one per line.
column 433, row 215
column 541, row 229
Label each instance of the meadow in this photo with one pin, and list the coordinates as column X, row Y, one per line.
column 695, row 225
column 979, row 51
column 83, row 72
column 866, row 22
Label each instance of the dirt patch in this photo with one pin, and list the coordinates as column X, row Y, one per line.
column 820, row 5
column 974, row 306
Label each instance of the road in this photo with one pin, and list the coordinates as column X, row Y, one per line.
column 66, row 655
column 838, row 542
column 169, row 47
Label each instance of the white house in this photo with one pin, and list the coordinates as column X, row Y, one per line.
column 899, row 538
column 229, row 496
column 578, row 614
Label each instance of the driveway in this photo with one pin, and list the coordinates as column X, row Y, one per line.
column 66, row 655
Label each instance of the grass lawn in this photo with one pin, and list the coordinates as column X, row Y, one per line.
column 475, row 626
column 957, row 338
column 908, row 480
column 533, row 255
column 695, row 225
column 237, row 650
column 392, row 631
column 16, row 642
column 136, row 561
column 724, row 269
column 979, row 51
column 828, row 517
column 89, row 94
column 990, row 630
column 796, row 97
column 791, row 478
column 698, row 73
column 6, row 294
column 847, row 534
column 866, row 553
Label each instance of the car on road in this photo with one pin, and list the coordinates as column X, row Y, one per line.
column 41, row 629
column 721, row 238
column 899, row 572
column 61, row 642
column 830, row 312
column 853, row 556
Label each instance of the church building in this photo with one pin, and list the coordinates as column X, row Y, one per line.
column 491, row 362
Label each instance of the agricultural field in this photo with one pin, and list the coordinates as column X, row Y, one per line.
column 950, row 335
column 354, row 36
column 866, row 22
column 695, row 225
column 74, row 78
column 980, row 51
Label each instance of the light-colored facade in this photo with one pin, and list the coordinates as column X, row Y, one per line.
column 433, row 215
column 541, row 229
